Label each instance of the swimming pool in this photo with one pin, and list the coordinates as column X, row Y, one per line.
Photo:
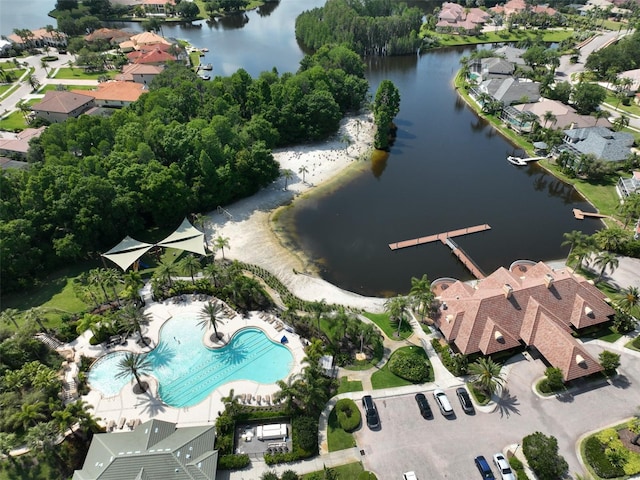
column 187, row 372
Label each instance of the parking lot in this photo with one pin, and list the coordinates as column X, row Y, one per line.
column 443, row 447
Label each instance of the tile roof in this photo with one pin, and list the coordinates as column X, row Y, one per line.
column 116, row 91
column 154, row 56
column 511, row 90
column 62, row 101
column 20, row 144
column 566, row 116
column 601, row 142
column 153, row 450
column 107, row 34
column 509, row 309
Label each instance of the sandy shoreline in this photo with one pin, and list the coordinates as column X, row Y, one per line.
column 247, row 222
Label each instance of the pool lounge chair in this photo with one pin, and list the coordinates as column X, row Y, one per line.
column 243, row 398
column 121, row 423
column 258, row 399
column 111, row 425
column 130, row 423
column 249, row 398
column 136, row 422
column 267, row 399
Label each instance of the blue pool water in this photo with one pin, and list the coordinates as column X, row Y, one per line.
column 187, row 371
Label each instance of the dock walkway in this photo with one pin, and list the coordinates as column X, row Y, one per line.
column 464, row 258
column 579, row 214
column 439, row 236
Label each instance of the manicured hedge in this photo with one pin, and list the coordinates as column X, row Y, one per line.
column 233, row 462
column 594, row 452
column 410, row 367
column 348, row 414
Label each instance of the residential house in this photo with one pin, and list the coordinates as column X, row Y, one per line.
column 19, row 146
column 528, row 306
column 634, row 76
column 5, row 46
column 511, row 90
column 151, row 7
column 157, row 56
column 512, row 54
column 139, row 73
column 152, row 450
column 602, row 142
column 565, row 116
column 518, row 6
column 110, row 35
column 145, row 38
column 57, row 106
column 603, row 6
column 493, row 67
column 628, row 186
column 40, row 38
column 456, row 18
column 7, row 163
column 115, row 94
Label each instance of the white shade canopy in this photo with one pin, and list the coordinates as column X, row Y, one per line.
column 185, row 237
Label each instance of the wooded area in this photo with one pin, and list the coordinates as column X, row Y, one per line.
column 186, row 146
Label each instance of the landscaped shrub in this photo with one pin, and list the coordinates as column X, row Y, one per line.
column 348, row 414
column 594, row 452
column 437, row 346
column 542, row 454
column 304, row 434
column 518, row 468
column 289, row 475
column 233, row 462
column 553, row 381
column 457, row 364
column 409, row 366
column 609, row 361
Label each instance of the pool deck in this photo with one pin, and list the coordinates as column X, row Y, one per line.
column 127, row 405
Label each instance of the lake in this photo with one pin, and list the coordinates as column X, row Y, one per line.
column 447, row 169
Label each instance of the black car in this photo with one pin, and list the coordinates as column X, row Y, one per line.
column 484, row 468
column 371, row 412
column 423, row 405
column 465, row 400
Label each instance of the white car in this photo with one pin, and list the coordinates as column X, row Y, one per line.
column 503, row 467
column 443, row 402
column 409, row 476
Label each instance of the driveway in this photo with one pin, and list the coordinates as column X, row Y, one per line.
column 445, row 448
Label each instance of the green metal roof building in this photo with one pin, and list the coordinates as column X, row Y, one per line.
column 153, row 450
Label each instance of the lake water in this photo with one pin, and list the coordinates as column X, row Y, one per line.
column 447, row 170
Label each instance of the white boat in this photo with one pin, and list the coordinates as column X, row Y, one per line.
column 516, row 161
column 204, row 77
column 208, row 66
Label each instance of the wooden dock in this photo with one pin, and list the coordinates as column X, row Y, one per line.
column 464, row 258
column 439, row 236
column 579, row 214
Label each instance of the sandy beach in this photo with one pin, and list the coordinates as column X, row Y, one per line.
column 247, row 223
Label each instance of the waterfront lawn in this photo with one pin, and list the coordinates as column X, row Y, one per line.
column 14, row 122
column 53, row 86
column 337, row 438
column 449, row 40
column 343, row 472
column 390, row 329
column 67, row 73
column 347, row 385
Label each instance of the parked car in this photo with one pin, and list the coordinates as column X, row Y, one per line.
column 503, row 467
column 443, row 402
column 371, row 412
column 484, row 468
column 423, row 405
column 465, row 400
column 409, row 476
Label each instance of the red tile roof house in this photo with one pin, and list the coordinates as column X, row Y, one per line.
column 139, row 73
column 456, row 18
column 57, row 106
column 114, row 94
column 113, row 36
column 530, row 306
column 518, row 6
column 19, row 146
column 40, row 38
column 154, row 57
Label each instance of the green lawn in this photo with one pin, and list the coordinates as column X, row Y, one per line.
column 383, row 378
column 5, row 88
column 337, row 438
column 14, row 122
column 389, row 329
column 614, row 102
column 52, row 86
column 347, row 385
column 67, row 73
column 350, row 471
column 498, row 37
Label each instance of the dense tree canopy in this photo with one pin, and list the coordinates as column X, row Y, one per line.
column 186, row 146
column 369, row 27
column 385, row 107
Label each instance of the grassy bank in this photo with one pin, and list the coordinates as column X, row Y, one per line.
column 449, row 40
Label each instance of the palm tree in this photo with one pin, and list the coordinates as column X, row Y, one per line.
column 134, row 364
column 220, row 243
column 303, row 170
column 598, row 114
column 43, row 439
column 486, row 374
column 212, row 272
column 33, row 315
column 43, row 64
column 10, row 315
column 134, row 318
column 231, row 403
column 621, row 122
column 209, row 316
column 630, row 298
column 28, row 415
column 421, row 293
column 65, row 420
column 96, row 277
column 86, row 421
column 111, row 278
column 317, row 308
column 191, row 265
column 574, row 239
column 165, row 270
column 367, row 334
column 606, row 260
column 289, row 391
column 396, row 307
column 24, row 108
column 133, row 283
column 288, row 175
column 549, row 117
